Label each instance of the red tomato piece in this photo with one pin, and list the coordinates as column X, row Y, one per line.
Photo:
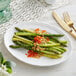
column 31, row 53
column 47, row 39
column 25, row 54
column 43, row 31
column 37, row 39
column 37, row 29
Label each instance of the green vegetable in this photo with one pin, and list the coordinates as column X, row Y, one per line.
column 58, row 41
column 47, row 52
column 8, row 66
column 18, row 29
column 9, row 70
column 58, row 49
column 23, row 30
column 1, row 58
column 29, row 42
column 24, row 40
column 54, row 48
column 64, row 42
column 52, row 56
column 49, row 45
column 34, row 34
column 15, row 46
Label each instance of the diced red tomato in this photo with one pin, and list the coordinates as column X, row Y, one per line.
column 43, row 31
column 47, row 39
column 31, row 53
column 37, row 29
column 25, row 54
column 37, row 39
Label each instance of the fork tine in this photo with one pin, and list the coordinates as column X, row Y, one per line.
column 68, row 14
column 66, row 18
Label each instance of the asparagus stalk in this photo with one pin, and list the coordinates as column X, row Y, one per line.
column 52, row 41
column 29, row 31
column 42, row 51
column 34, row 34
column 52, row 56
column 24, row 40
column 41, row 45
column 64, row 42
column 45, row 53
column 58, row 49
column 53, row 50
column 24, row 30
column 63, row 49
column 49, row 45
column 22, row 45
column 58, row 41
column 18, row 29
column 28, row 37
column 27, row 46
column 15, row 46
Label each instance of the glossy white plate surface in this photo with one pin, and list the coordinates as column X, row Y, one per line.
column 20, row 53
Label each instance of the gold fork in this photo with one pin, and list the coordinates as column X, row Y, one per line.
column 68, row 20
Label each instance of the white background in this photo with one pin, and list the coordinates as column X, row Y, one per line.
column 67, row 68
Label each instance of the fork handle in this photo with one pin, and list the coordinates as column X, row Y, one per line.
column 73, row 33
column 74, row 28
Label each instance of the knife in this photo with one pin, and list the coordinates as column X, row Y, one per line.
column 63, row 24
